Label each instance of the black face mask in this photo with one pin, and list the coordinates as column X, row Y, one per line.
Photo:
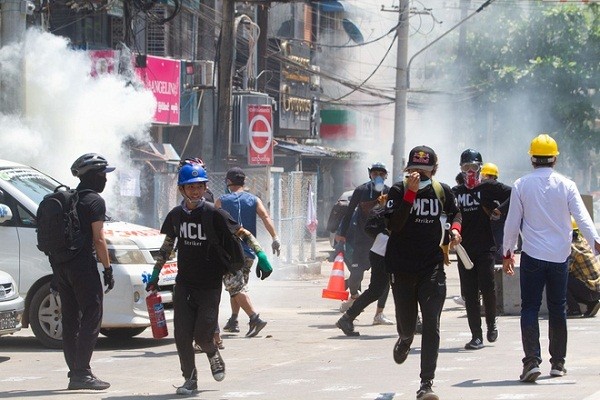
column 423, row 177
column 94, row 181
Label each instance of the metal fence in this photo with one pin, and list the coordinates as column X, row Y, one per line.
column 284, row 194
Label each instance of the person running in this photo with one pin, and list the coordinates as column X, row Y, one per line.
column 199, row 276
column 479, row 202
column 490, row 172
column 245, row 207
column 418, row 214
column 541, row 206
column 363, row 199
column 78, row 281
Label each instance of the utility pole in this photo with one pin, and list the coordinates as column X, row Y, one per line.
column 224, row 105
column 398, row 148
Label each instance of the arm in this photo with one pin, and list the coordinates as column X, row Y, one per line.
column 348, row 216
column 161, row 258
column 400, row 213
column 261, row 211
column 100, row 243
column 263, row 266
column 511, row 231
column 583, row 219
column 218, row 203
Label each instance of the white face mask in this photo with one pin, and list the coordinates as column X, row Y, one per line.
column 424, row 184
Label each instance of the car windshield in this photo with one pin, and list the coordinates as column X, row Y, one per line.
column 30, row 182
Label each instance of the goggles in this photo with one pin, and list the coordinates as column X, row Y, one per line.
column 474, row 167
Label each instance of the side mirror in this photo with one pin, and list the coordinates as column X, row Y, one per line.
column 5, row 213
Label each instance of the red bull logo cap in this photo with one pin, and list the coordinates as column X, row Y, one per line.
column 422, row 157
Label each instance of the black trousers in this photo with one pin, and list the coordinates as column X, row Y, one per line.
column 378, row 290
column 479, row 278
column 81, row 298
column 578, row 292
column 196, row 315
column 428, row 291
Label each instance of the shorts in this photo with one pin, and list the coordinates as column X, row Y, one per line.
column 238, row 282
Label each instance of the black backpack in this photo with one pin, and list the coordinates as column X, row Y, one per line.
column 227, row 252
column 58, row 228
column 376, row 221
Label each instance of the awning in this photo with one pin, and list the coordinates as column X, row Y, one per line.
column 308, row 151
column 331, row 6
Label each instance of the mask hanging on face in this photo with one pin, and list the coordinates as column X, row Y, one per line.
column 472, row 179
column 379, row 185
column 424, row 183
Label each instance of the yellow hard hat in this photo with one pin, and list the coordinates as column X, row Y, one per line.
column 490, row 169
column 543, row 146
column 574, row 224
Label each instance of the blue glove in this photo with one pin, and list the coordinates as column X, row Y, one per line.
column 263, row 267
column 152, row 284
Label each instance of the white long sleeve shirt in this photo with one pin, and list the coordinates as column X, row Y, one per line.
column 541, row 205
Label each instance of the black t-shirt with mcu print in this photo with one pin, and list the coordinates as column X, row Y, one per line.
column 415, row 246
column 193, row 269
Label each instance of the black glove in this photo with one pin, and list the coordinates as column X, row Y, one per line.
column 152, row 284
column 109, row 281
column 54, row 286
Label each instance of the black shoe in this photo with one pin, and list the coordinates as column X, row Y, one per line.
column 189, row 387
column 256, row 325
column 474, row 344
column 558, row 369
column 571, row 314
column 89, row 382
column 401, row 350
column 347, row 326
column 217, row 366
column 492, row 333
column 232, row 325
column 425, row 392
column 592, row 309
column 531, row 371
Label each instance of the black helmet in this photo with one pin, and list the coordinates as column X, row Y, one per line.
column 470, row 156
column 90, row 162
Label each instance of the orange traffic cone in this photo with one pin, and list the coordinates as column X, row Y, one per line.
column 336, row 288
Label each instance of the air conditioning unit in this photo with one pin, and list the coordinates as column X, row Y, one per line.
column 204, row 71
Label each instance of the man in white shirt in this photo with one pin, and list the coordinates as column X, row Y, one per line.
column 541, row 205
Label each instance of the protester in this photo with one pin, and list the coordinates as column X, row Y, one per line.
column 362, row 201
column 480, row 202
column 199, row 276
column 78, row 281
column 415, row 260
column 583, row 284
column 245, row 207
column 540, row 208
column 490, row 172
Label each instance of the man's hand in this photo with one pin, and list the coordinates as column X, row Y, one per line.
column 275, row 245
column 263, row 267
column 508, row 265
column 152, row 284
column 455, row 238
column 109, row 280
column 412, row 181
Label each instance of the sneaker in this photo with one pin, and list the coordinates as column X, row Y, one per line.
column 188, row 387
column 419, row 326
column 474, row 344
column 218, row 345
column 232, row 325
column 425, row 392
column 347, row 304
column 401, row 350
column 459, row 300
column 574, row 314
column 381, row 319
column 347, row 326
column 89, row 382
column 592, row 309
column 558, row 369
column 217, row 366
column 531, row 371
column 492, row 333
column 256, row 325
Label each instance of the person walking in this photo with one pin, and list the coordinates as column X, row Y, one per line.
column 583, row 284
column 199, row 276
column 78, row 280
column 541, row 205
column 363, row 199
column 490, row 172
column 419, row 209
column 245, row 207
column 480, row 202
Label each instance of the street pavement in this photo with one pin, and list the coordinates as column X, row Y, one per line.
column 302, row 355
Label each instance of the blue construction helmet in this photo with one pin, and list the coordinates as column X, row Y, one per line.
column 191, row 173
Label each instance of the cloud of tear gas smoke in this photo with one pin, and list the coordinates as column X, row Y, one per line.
column 67, row 112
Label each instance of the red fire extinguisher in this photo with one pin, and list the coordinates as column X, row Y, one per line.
column 156, row 311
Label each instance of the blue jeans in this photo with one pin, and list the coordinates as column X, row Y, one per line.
column 535, row 274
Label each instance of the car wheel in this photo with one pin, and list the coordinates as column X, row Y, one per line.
column 45, row 317
column 122, row 333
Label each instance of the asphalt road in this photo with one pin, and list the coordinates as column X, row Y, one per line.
column 302, row 355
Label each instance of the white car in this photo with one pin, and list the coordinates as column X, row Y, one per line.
column 11, row 305
column 132, row 250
